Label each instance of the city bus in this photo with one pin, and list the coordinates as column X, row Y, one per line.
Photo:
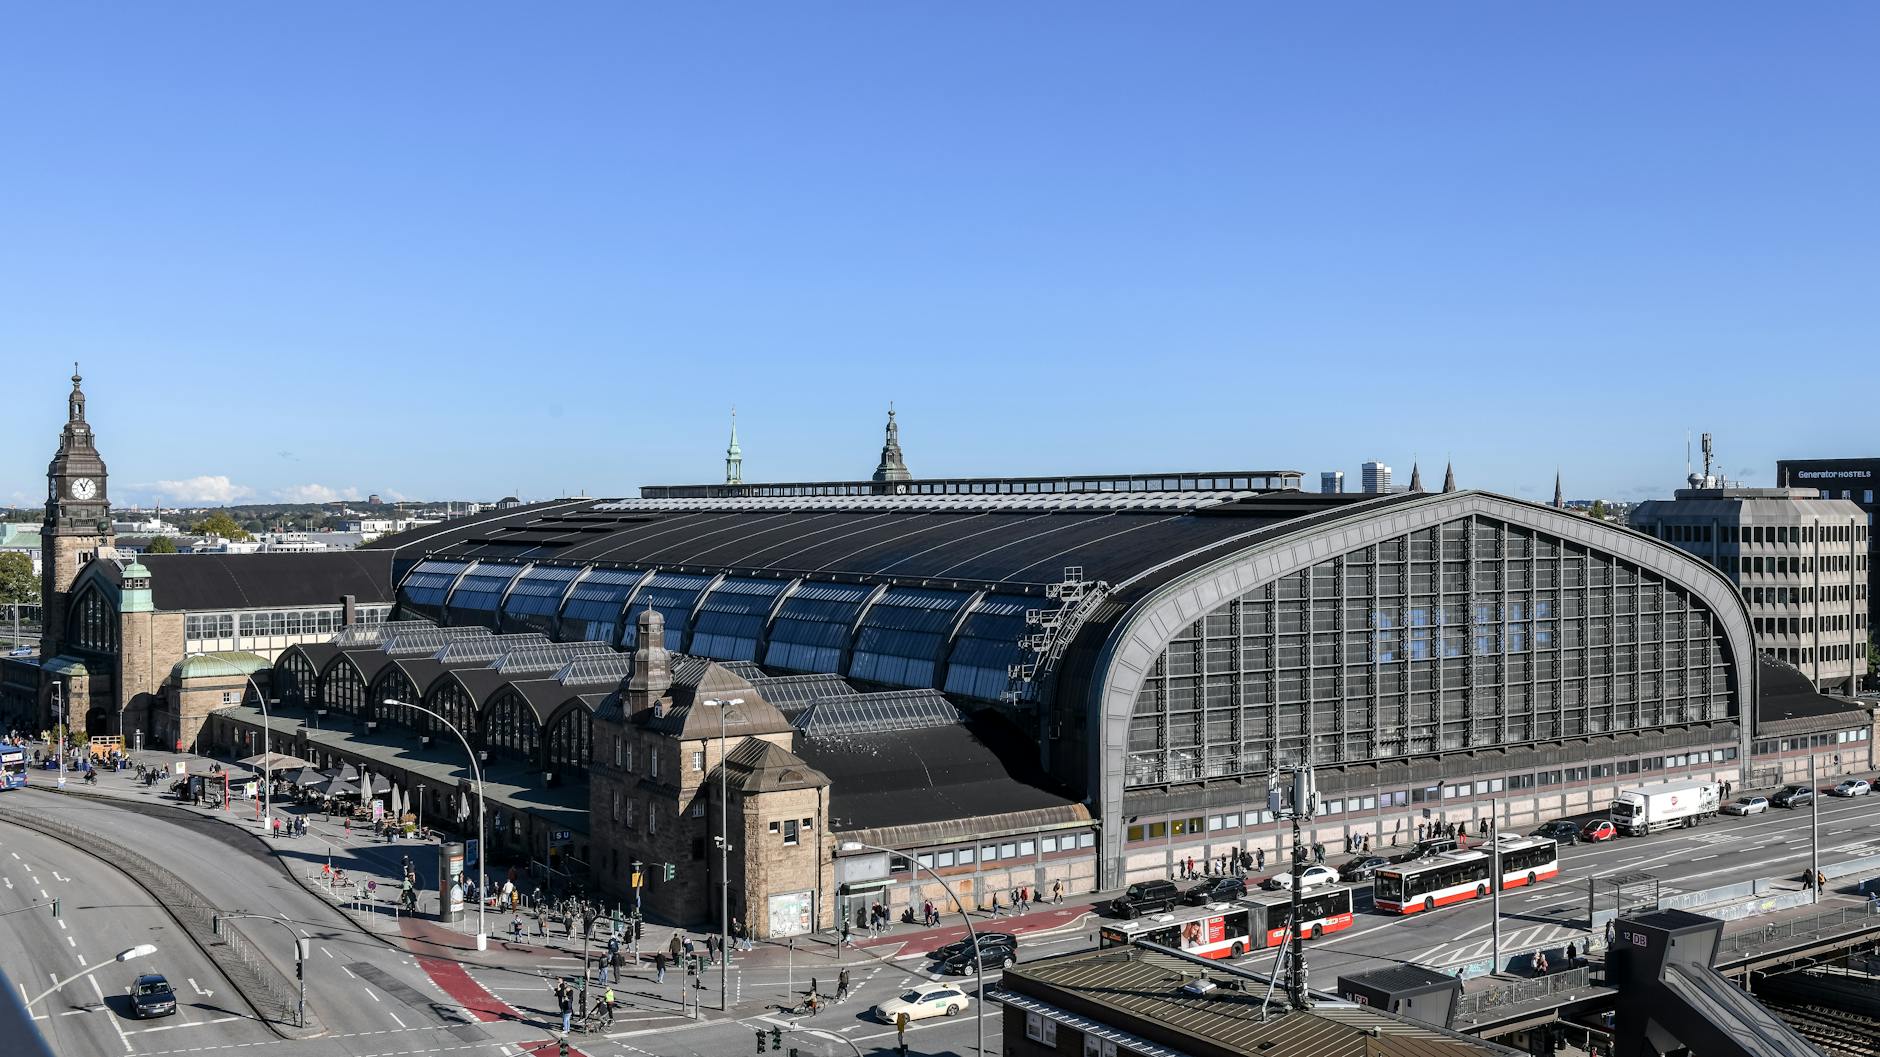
column 1231, row 930
column 12, row 767
column 1457, row 876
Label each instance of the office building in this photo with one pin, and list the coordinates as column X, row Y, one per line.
column 1376, row 478
column 1848, row 480
column 1332, row 482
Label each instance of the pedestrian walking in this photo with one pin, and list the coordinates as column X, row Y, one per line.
column 995, row 904
column 515, row 929
column 1191, row 866
column 659, row 967
column 1259, row 858
column 1572, row 954
column 842, row 986
column 564, row 998
column 1057, row 891
column 675, row 946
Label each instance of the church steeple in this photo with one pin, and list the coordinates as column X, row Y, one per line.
column 1560, row 502
column 1449, row 477
column 893, row 467
column 1416, row 478
column 734, row 455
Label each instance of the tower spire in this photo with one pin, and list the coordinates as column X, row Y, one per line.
column 892, row 466
column 734, row 455
column 1560, row 502
column 75, row 403
column 1416, row 478
column 1449, row 477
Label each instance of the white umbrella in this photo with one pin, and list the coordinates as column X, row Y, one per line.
column 273, row 761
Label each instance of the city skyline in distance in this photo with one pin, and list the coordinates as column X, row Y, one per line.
column 1298, row 241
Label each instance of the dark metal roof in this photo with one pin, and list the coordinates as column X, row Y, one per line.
column 907, row 777
column 197, row 582
column 1017, row 542
column 1785, row 693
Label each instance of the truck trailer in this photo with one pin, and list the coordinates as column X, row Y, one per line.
column 1648, row 808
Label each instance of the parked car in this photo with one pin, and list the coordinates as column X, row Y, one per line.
column 1598, row 830
column 152, row 996
column 986, row 939
column 1852, row 787
column 989, row 958
column 1793, row 796
column 1362, row 868
column 930, row 1000
column 1746, row 805
column 1560, row 830
column 1146, row 897
column 1216, row 890
column 1312, row 878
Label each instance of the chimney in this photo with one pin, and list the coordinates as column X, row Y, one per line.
column 348, row 611
column 652, row 665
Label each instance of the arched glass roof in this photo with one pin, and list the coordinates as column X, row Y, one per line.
column 673, row 595
column 987, row 645
column 731, row 622
column 811, row 632
column 900, row 639
column 593, row 609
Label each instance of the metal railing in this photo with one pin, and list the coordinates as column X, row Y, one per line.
column 1517, row 993
column 1814, row 926
column 263, row 984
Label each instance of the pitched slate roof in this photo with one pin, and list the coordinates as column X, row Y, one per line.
column 198, row 582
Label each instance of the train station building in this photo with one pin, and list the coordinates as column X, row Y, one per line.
column 1017, row 682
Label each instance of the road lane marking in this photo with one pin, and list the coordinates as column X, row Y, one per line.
column 125, row 1039
column 394, row 1017
column 369, row 993
column 347, row 971
column 71, row 941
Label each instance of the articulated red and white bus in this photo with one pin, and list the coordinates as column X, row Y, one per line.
column 1458, row 876
column 1230, row 930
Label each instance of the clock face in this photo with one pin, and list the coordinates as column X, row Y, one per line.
column 84, row 488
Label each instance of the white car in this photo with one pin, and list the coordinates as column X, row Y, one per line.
column 929, row 1000
column 1745, row 805
column 1851, row 787
column 1312, row 878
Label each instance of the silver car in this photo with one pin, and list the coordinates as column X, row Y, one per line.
column 1851, row 787
column 1746, row 805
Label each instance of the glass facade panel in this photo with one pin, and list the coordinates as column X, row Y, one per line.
column 1379, row 653
column 294, row 677
column 570, row 743
column 812, row 629
column 536, row 599
column 673, row 595
column 987, row 644
column 900, row 639
column 479, row 592
column 593, row 610
column 342, row 689
column 511, row 731
column 731, row 623
column 426, row 586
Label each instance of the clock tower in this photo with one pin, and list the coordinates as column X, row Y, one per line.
column 78, row 517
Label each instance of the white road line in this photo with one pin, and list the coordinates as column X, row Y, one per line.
column 61, row 924
column 43, row 895
column 1701, row 858
column 347, row 971
column 326, row 952
column 394, row 1016
column 369, row 993
column 56, row 877
column 82, row 961
column 71, row 941
column 125, row 1039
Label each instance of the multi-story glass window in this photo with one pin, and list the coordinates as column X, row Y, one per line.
column 454, row 703
column 343, row 689
column 295, row 677
column 1466, row 635
column 394, row 685
column 570, row 742
column 92, row 624
column 511, row 730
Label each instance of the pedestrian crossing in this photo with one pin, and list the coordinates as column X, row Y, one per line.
column 1463, row 952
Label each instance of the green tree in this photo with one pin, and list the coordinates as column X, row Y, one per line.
column 18, row 585
column 220, row 524
column 1598, row 510
column 161, row 545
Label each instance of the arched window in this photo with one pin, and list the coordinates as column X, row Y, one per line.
column 92, row 624
column 510, row 731
column 394, row 685
column 571, row 741
column 294, row 677
column 343, row 689
column 450, row 700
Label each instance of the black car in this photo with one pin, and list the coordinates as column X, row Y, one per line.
column 1793, row 796
column 986, row 939
column 1146, row 897
column 1362, row 868
column 990, row 957
column 1216, row 890
column 151, row 996
column 1561, row 831
column 1423, row 849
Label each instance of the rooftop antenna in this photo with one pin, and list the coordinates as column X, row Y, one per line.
column 1707, row 454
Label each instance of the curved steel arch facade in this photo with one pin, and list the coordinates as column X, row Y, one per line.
column 1136, row 652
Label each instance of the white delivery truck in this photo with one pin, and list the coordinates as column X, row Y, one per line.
column 1636, row 812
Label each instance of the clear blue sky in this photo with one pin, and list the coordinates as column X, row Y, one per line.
column 464, row 250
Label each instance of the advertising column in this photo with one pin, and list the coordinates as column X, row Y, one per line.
column 450, row 881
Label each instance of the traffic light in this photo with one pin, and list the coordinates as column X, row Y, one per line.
column 776, row 1038
column 760, row 1041
column 215, row 924
column 670, row 871
column 58, row 910
column 639, row 929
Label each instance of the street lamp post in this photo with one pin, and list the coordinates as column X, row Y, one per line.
column 979, row 969
column 724, row 849
column 267, row 728
column 138, row 951
column 483, row 850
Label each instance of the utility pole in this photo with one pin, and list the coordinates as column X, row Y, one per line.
column 1814, row 830
column 1302, row 805
column 1494, row 881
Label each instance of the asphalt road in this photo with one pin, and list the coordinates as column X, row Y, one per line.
column 102, row 913
column 371, row 998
